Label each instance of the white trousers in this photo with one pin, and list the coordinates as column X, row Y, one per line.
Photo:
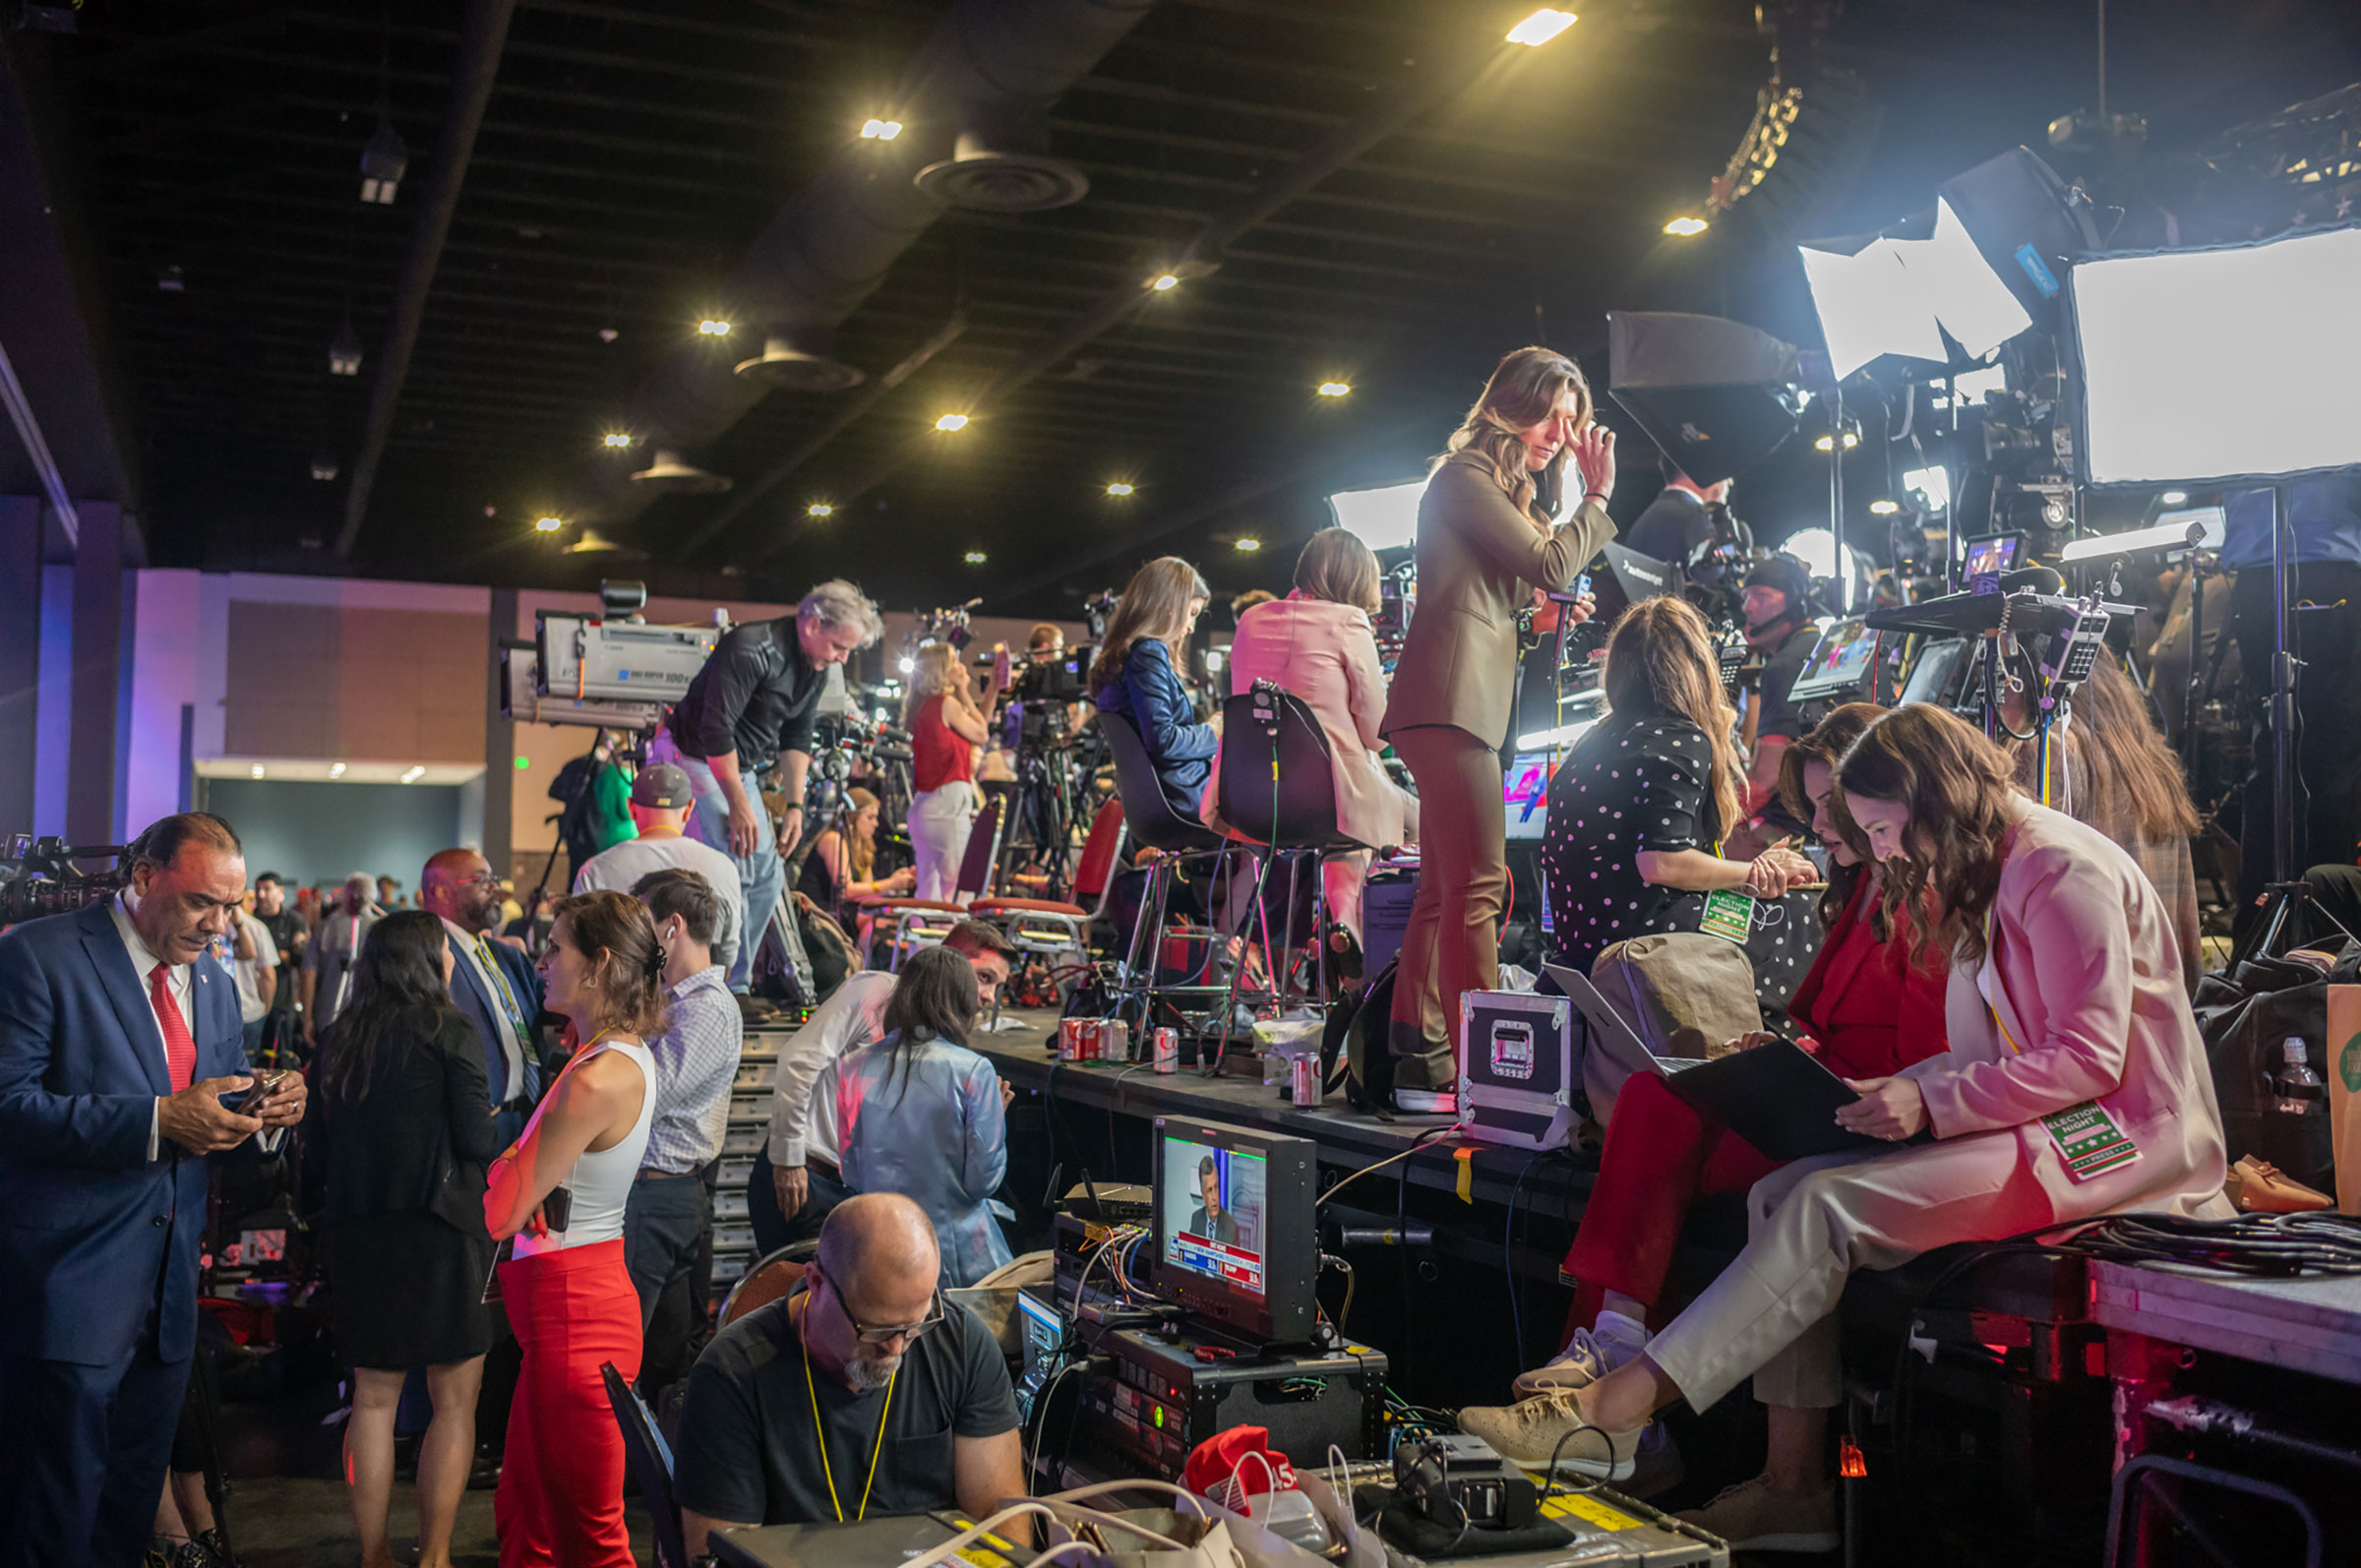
column 939, row 821
column 1810, row 1225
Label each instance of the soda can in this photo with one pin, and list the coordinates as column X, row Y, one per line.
column 1070, row 1038
column 1304, row 1077
column 1114, row 1040
column 1092, row 1038
column 1167, row 1049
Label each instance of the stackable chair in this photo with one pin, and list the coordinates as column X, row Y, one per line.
column 1052, row 927
column 1278, row 793
column 1152, row 823
column 774, row 1277
column 648, row 1459
column 919, row 923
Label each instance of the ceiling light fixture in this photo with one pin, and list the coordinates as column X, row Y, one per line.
column 1686, row 225
column 714, row 326
column 1884, row 508
column 1540, row 27
column 344, row 351
column 548, row 525
column 2174, row 498
column 907, row 666
column 1249, row 544
column 1118, row 488
column 1335, row 388
column 975, row 558
column 256, row 771
column 335, row 770
column 1164, row 283
column 1827, row 444
column 617, row 439
column 324, row 465
column 414, row 774
column 880, row 129
column 820, row 509
column 384, row 161
column 951, row 422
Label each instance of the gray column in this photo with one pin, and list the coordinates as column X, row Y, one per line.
column 95, row 754
column 500, row 745
column 20, row 658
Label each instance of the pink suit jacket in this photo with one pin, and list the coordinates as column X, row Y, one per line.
column 1325, row 653
column 2093, row 1015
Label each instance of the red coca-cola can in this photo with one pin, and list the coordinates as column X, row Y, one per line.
column 1070, row 1038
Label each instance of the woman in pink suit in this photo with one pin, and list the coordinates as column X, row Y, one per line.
column 2064, row 1010
column 1316, row 642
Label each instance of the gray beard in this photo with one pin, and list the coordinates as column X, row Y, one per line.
column 866, row 1376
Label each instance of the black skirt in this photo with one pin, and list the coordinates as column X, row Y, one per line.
column 409, row 1290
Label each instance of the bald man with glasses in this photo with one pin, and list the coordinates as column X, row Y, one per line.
column 865, row 1394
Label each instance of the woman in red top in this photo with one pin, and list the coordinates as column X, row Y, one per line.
column 946, row 724
column 1866, row 1012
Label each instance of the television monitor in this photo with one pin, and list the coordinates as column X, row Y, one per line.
column 1236, row 1240
column 1525, row 792
column 2000, row 552
column 1839, row 668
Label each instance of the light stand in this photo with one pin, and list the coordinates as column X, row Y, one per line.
column 2287, row 891
column 1836, row 503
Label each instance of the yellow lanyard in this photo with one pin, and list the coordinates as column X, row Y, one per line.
column 819, row 1432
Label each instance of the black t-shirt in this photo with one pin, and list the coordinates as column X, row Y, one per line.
column 286, row 927
column 747, row 1453
column 1781, row 714
column 758, row 695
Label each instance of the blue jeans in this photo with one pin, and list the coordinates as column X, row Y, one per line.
column 763, row 874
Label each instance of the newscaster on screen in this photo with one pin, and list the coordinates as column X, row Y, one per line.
column 1213, row 1219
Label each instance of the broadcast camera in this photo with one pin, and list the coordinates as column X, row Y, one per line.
column 1098, row 611
column 37, row 878
column 612, row 670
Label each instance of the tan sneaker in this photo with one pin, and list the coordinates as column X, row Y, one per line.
column 1588, row 1359
column 1755, row 1516
column 1548, row 1433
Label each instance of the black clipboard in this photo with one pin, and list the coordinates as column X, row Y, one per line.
column 1777, row 1096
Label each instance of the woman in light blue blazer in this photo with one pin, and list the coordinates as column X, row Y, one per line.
column 921, row 1114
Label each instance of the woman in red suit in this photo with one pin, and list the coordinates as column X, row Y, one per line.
column 1865, row 1011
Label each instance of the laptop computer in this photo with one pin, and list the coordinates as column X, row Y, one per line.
column 1608, row 1030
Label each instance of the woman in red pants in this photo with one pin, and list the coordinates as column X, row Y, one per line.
column 568, row 1293
column 1866, row 1012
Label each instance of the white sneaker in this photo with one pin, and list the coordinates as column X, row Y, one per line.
column 1548, row 1433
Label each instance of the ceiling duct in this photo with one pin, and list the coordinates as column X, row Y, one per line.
column 987, row 63
column 784, row 366
column 1000, row 174
column 669, row 476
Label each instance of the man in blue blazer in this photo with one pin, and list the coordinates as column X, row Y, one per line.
column 118, row 1037
column 492, row 982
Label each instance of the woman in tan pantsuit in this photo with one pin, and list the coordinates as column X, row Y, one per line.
column 2065, row 1006
column 1487, row 541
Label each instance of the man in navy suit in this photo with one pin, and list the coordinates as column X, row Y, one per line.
column 492, row 982
column 118, row 1037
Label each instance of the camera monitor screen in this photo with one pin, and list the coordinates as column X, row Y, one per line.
column 1839, row 667
column 1995, row 554
column 1524, row 791
column 1234, row 1235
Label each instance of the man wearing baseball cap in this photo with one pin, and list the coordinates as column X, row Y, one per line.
column 661, row 801
column 1779, row 626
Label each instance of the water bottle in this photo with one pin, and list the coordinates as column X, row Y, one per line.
column 2299, row 1089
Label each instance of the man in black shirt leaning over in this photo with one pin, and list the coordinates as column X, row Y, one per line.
column 751, row 706
column 914, row 1407
column 1778, row 623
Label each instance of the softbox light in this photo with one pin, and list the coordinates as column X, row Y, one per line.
column 2230, row 362
column 1716, row 396
column 1382, row 517
column 1896, row 295
column 2023, row 221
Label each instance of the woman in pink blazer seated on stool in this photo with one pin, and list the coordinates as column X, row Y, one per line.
column 2067, row 1019
column 1316, row 642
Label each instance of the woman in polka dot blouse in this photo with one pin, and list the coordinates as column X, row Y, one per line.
column 1638, row 807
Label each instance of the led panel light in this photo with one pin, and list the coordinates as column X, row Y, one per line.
column 1540, row 27
column 2278, row 325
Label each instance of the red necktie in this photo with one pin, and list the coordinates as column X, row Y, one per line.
column 180, row 1050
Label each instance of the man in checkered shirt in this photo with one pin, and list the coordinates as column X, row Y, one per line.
column 668, row 1222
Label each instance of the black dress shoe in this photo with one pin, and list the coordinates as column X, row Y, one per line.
column 484, row 1474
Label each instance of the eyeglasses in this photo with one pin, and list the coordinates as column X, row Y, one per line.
column 874, row 1335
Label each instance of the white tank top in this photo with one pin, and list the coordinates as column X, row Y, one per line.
column 601, row 1182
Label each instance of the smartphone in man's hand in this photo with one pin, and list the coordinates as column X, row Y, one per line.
column 245, row 1101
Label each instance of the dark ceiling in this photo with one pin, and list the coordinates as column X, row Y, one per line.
column 631, row 149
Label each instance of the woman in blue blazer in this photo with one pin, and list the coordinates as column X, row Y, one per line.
column 1133, row 676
